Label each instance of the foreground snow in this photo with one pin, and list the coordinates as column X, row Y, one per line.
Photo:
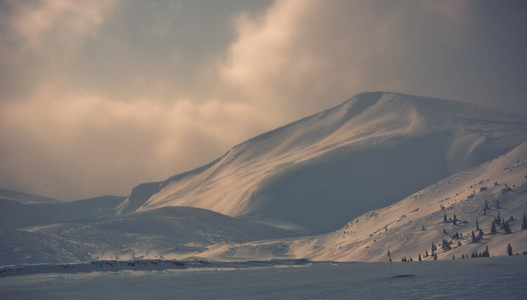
column 483, row 278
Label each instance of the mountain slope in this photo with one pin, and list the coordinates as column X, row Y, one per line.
column 321, row 171
column 14, row 214
column 409, row 227
column 24, row 198
column 169, row 232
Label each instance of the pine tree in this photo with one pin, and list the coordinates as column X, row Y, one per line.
column 486, row 253
column 435, row 256
column 480, row 234
column 426, row 253
column 498, row 204
column 445, row 220
column 509, row 250
column 455, row 219
column 507, row 228
column 493, row 228
column 388, row 254
column 420, row 258
column 474, row 239
column 484, row 211
column 486, row 204
column 477, row 225
column 524, row 223
column 434, row 248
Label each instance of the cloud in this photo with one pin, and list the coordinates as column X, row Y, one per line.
column 39, row 21
column 86, row 143
column 302, row 56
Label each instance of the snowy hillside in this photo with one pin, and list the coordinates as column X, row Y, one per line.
column 23, row 198
column 14, row 214
column 409, row 227
column 321, row 171
column 168, row 232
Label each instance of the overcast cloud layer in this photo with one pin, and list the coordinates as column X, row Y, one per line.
column 98, row 96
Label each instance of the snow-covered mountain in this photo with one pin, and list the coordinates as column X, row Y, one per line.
column 474, row 198
column 319, row 172
column 376, row 173
column 166, row 232
column 24, row 198
column 16, row 214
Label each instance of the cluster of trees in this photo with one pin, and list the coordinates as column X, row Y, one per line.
column 474, row 238
column 481, row 254
column 476, row 235
column 454, row 220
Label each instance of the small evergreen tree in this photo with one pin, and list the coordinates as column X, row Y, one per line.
column 445, row 245
column 480, row 235
column 497, row 219
column 498, row 204
column 434, row 248
column 455, row 219
column 486, row 252
column 419, row 258
column 473, row 238
column 445, row 220
column 477, row 225
column 493, row 228
column 524, row 223
column 435, row 256
column 484, row 211
column 509, row 249
column 486, row 205
column 507, row 228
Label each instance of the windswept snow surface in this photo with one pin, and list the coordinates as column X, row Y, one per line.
column 168, row 232
column 409, row 227
column 491, row 278
column 324, row 170
column 16, row 215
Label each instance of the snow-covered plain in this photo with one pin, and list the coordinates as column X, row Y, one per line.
column 489, row 278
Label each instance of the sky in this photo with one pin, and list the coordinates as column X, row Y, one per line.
column 97, row 96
